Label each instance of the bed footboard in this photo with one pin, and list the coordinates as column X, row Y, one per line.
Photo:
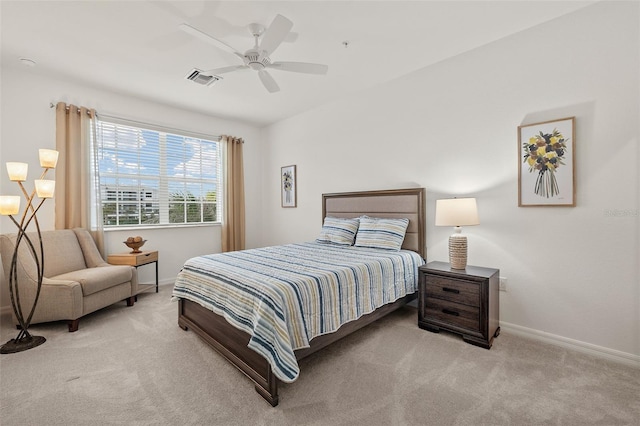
column 231, row 343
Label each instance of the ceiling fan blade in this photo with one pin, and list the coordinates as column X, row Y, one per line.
column 209, row 39
column 303, row 67
column 275, row 34
column 223, row 70
column 268, row 81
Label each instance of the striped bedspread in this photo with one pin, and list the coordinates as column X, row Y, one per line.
column 284, row 296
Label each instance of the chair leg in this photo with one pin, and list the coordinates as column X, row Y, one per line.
column 73, row 325
column 131, row 300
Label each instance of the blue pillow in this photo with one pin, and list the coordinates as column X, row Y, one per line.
column 381, row 233
column 338, row 231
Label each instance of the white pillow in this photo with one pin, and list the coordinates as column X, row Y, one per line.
column 338, row 231
column 381, row 233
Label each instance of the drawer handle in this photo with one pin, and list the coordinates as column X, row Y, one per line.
column 148, row 254
column 449, row 312
column 450, row 290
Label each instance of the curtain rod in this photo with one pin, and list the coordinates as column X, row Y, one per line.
column 52, row 105
column 156, row 126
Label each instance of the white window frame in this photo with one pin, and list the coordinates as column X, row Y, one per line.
column 111, row 180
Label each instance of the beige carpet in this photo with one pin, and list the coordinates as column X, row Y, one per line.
column 134, row 366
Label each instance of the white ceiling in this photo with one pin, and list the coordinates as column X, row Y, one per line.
column 135, row 47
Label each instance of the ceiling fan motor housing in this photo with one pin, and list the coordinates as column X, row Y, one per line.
column 254, row 61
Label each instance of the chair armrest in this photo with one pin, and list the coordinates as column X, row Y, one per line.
column 59, row 299
column 60, row 283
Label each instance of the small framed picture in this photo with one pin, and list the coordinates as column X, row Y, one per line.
column 288, row 186
column 546, row 164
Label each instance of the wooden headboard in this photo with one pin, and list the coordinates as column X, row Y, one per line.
column 391, row 203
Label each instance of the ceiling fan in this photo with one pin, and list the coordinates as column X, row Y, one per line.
column 257, row 58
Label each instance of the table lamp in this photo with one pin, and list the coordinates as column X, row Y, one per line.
column 457, row 212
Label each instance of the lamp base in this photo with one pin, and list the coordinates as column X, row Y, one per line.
column 29, row 342
column 458, row 251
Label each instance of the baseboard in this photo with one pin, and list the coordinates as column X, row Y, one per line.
column 588, row 348
column 163, row 282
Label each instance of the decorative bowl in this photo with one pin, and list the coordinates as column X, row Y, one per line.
column 135, row 245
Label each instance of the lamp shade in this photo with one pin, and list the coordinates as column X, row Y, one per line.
column 457, row 212
column 48, row 158
column 9, row 204
column 45, row 188
column 17, row 171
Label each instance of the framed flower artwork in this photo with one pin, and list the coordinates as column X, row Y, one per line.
column 288, row 187
column 546, row 164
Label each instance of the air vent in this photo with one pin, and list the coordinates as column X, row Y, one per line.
column 197, row 76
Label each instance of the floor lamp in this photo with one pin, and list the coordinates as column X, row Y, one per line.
column 10, row 206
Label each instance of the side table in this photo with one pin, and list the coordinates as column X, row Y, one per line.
column 463, row 301
column 136, row 260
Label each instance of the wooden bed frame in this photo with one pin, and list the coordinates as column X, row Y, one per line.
column 232, row 343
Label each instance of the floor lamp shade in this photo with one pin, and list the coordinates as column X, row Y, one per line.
column 17, row 171
column 457, row 212
column 9, row 204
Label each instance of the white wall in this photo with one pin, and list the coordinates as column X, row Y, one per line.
column 452, row 128
column 28, row 124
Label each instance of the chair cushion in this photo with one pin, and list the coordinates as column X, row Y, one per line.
column 97, row 279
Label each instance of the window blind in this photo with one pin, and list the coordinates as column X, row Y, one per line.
column 153, row 177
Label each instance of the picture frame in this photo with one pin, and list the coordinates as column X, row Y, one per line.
column 546, row 164
column 288, row 186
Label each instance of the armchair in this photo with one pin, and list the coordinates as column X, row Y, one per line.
column 77, row 280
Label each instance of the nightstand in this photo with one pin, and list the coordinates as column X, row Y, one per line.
column 463, row 301
column 136, row 260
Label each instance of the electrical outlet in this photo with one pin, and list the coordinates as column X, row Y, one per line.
column 503, row 284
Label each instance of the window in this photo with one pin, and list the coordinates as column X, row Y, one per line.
column 155, row 177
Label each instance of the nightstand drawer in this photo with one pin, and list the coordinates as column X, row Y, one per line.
column 456, row 314
column 458, row 291
column 133, row 259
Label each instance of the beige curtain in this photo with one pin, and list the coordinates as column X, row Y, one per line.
column 233, row 203
column 77, row 196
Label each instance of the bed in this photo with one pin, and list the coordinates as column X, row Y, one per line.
column 279, row 321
